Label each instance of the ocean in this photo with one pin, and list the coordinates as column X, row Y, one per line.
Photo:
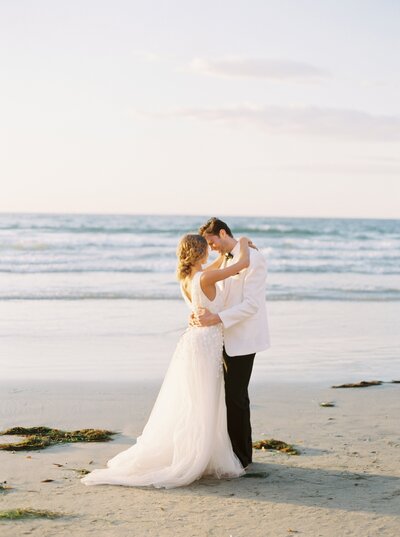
column 76, row 257
column 95, row 298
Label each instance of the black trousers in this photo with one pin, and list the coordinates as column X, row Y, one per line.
column 237, row 376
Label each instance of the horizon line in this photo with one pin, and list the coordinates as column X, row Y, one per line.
column 90, row 213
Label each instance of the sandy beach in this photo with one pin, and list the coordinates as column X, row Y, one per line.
column 346, row 481
column 90, row 316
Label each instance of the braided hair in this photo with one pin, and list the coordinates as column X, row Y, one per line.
column 191, row 248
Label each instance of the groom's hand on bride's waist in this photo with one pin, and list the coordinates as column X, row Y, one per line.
column 204, row 317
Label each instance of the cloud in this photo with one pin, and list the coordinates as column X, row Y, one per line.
column 240, row 67
column 338, row 123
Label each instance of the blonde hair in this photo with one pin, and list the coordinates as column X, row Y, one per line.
column 191, row 248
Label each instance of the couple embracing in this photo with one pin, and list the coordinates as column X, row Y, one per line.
column 200, row 422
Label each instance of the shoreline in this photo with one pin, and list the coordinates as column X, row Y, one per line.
column 122, row 339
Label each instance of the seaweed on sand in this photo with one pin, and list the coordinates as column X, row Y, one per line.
column 42, row 437
column 362, row 384
column 18, row 514
column 79, row 471
column 277, row 445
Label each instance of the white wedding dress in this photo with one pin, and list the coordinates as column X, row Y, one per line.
column 186, row 436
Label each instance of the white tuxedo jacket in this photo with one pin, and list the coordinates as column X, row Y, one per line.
column 244, row 317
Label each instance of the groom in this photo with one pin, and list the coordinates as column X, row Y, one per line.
column 245, row 326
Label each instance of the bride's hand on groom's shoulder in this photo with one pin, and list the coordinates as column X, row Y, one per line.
column 249, row 242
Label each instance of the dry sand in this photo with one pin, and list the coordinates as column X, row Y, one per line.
column 346, row 482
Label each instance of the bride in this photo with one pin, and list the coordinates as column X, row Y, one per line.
column 186, row 436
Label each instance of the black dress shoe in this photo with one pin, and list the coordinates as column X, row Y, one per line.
column 256, row 474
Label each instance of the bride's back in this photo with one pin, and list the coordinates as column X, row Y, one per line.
column 198, row 298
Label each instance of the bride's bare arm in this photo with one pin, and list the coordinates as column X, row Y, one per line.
column 215, row 264
column 212, row 276
column 203, row 317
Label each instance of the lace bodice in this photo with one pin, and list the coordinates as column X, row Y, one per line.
column 199, row 299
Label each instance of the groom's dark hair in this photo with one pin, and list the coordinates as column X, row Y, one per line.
column 213, row 226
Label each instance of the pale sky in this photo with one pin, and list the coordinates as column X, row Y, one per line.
column 234, row 107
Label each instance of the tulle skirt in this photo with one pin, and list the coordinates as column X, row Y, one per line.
column 186, row 435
